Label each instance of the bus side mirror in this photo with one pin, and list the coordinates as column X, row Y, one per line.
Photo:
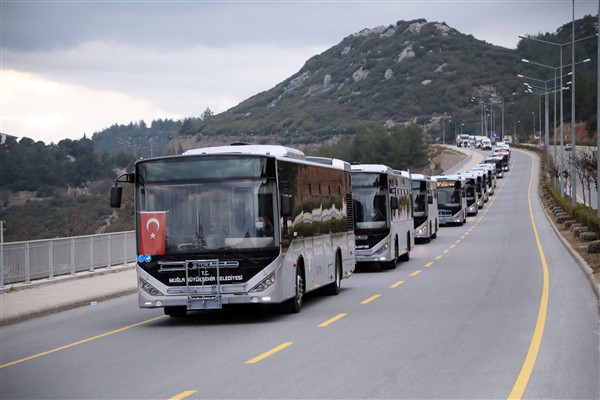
column 394, row 203
column 286, row 205
column 116, row 192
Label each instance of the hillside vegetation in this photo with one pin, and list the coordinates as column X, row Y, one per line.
column 382, row 95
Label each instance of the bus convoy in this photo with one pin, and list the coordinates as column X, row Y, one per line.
column 264, row 224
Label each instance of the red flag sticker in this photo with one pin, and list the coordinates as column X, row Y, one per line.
column 152, row 232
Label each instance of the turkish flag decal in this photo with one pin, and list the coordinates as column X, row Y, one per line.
column 152, row 232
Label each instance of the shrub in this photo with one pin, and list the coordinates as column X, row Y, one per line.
column 589, row 236
column 594, row 247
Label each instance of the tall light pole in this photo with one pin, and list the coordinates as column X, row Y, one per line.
column 598, row 113
column 573, row 120
column 533, row 113
column 539, row 91
column 562, row 152
column 561, row 45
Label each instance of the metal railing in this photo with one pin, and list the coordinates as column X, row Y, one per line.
column 39, row 259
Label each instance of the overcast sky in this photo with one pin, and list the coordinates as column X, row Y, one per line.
column 70, row 68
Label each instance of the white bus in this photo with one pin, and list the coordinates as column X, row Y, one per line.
column 452, row 199
column 239, row 224
column 473, row 192
column 384, row 226
column 425, row 207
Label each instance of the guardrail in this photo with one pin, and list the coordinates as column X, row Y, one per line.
column 39, row 259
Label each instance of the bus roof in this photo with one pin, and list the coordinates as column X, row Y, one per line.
column 455, row 177
column 371, row 168
column 258, row 149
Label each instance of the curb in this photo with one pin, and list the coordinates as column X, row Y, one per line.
column 43, row 311
column 580, row 260
column 61, row 278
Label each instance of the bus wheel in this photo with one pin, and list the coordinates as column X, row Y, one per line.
column 176, row 311
column 294, row 304
column 406, row 256
column 334, row 287
column 392, row 264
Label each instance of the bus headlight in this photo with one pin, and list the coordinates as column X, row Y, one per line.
column 148, row 288
column 264, row 284
column 381, row 249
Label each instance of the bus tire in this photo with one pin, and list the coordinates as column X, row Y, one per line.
column 176, row 311
column 406, row 256
column 293, row 305
column 334, row 288
column 392, row 264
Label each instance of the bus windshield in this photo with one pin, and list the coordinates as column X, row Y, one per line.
column 419, row 194
column 210, row 215
column 370, row 207
column 449, row 195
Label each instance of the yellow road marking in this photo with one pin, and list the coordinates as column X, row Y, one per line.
column 269, row 353
column 331, row 320
column 438, row 257
column 183, row 395
column 536, row 340
column 429, row 264
column 395, row 285
column 417, row 272
column 458, row 241
column 370, row 299
column 45, row 353
column 452, row 246
column 445, row 251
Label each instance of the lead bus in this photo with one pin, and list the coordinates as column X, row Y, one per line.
column 425, row 207
column 452, row 199
column 383, row 214
column 239, row 224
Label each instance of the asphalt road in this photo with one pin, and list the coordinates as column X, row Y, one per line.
column 496, row 308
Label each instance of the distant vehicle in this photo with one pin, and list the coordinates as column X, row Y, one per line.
column 490, row 179
column 568, row 147
column 486, row 144
column 462, row 140
column 497, row 161
column 425, row 206
column 452, row 199
column 507, row 139
column 472, row 192
column 384, row 226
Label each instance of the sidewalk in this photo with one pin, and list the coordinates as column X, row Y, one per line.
column 23, row 301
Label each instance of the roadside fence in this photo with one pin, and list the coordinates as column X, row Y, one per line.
column 22, row 262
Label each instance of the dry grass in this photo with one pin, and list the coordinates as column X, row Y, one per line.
column 592, row 260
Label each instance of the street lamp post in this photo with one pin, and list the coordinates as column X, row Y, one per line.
column 562, row 153
column 533, row 113
column 561, row 45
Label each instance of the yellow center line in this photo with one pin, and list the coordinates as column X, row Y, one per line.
column 269, row 353
column 370, row 299
column 452, row 246
column 438, row 257
column 395, row 285
column 429, row 264
column 458, row 241
column 45, row 353
column 445, row 251
column 183, row 395
column 417, row 272
column 538, row 332
column 331, row 320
